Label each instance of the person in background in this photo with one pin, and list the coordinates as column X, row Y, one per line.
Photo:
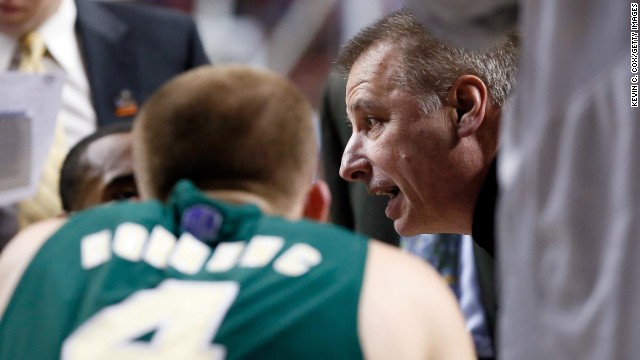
column 569, row 173
column 98, row 170
column 218, row 263
column 113, row 55
column 425, row 119
column 452, row 255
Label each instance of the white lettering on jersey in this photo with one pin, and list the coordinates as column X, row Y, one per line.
column 189, row 255
column 159, row 248
column 261, row 250
column 225, row 257
column 297, row 260
column 95, row 249
column 184, row 315
column 129, row 240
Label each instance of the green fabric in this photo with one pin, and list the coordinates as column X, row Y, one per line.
column 313, row 316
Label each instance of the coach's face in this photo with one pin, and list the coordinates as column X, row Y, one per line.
column 17, row 17
column 397, row 151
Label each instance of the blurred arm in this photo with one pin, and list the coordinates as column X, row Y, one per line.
column 18, row 254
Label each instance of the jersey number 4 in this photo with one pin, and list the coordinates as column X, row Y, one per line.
column 176, row 320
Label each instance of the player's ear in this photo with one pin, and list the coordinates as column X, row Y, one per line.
column 468, row 97
column 318, row 200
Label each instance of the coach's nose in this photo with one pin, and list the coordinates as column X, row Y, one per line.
column 355, row 166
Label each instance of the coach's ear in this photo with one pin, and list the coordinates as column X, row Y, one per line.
column 468, row 98
column 316, row 206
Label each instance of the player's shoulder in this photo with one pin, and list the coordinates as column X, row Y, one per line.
column 404, row 273
column 29, row 240
column 407, row 310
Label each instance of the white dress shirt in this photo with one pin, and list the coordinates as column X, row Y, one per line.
column 58, row 33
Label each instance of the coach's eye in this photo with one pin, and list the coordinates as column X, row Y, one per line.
column 371, row 121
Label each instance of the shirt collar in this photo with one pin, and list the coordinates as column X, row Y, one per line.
column 55, row 31
column 58, row 33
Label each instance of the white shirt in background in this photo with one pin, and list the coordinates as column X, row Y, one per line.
column 58, row 33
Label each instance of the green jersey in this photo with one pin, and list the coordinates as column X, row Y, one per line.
column 189, row 279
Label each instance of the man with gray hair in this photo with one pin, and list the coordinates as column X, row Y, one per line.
column 425, row 119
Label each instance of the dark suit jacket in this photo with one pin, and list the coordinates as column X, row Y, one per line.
column 135, row 49
column 483, row 233
column 351, row 207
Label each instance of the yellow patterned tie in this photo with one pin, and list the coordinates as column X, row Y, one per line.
column 46, row 201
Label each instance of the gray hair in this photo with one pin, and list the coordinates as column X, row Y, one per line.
column 428, row 66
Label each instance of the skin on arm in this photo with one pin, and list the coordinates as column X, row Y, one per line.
column 407, row 311
column 17, row 255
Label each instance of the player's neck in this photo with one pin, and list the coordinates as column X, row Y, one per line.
column 243, row 197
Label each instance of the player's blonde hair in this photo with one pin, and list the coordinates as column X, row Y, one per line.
column 227, row 128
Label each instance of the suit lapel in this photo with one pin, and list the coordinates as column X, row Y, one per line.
column 110, row 59
column 484, row 247
column 485, row 270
